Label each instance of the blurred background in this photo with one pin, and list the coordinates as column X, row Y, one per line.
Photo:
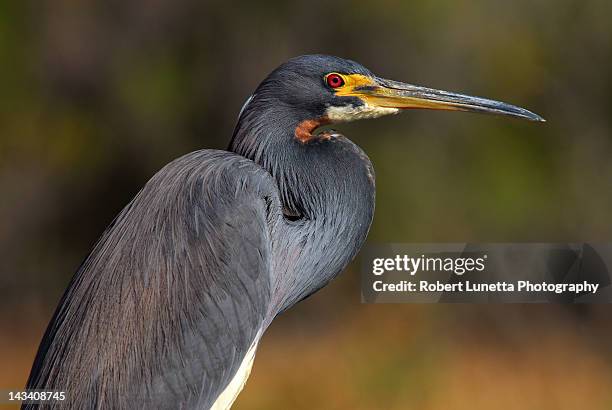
column 99, row 95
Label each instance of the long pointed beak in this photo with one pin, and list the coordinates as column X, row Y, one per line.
column 394, row 94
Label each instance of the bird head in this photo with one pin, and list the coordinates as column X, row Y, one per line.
column 322, row 89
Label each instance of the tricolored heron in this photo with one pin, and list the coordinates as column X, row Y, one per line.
column 168, row 308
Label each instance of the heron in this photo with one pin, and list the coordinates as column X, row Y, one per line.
column 168, row 308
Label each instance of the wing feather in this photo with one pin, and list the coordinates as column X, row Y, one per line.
column 163, row 310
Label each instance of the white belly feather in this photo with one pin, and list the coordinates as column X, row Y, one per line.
column 235, row 386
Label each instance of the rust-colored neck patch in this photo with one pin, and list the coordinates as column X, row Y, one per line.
column 303, row 132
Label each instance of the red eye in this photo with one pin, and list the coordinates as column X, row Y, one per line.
column 334, row 80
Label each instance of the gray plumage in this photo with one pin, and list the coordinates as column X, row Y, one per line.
column 184, row 282
column 162, row 312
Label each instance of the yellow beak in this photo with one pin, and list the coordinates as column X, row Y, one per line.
column 379, row 92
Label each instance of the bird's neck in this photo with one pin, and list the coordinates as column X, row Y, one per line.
column 271, row 138
column 327, row 184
